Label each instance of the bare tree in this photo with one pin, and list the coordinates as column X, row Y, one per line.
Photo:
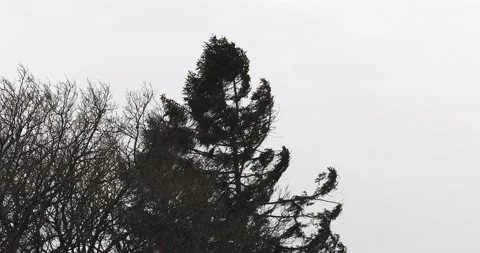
column 60, row 189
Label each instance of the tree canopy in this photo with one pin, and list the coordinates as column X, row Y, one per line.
column 79, row 175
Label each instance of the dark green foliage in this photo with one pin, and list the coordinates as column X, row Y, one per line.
column 222, row 126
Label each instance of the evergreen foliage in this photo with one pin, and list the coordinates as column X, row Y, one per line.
column 220, row 128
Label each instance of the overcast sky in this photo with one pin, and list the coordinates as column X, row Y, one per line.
column 385, row 91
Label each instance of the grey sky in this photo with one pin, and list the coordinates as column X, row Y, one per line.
column 385, row 91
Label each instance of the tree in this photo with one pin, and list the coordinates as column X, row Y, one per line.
column 60, row 189
column 220, row 130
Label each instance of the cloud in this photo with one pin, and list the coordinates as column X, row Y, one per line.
column 299, row 7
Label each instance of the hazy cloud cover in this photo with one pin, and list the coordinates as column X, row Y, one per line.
column 387, row 92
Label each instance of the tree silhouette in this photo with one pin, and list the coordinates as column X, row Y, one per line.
column 78, row 175
column 220, row 130
column 59, row 167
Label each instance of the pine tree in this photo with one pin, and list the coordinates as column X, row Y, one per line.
column 217, row 134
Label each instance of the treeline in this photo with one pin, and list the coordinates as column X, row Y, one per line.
column 78, row 174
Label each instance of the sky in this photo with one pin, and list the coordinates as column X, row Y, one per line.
column 387, row 92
